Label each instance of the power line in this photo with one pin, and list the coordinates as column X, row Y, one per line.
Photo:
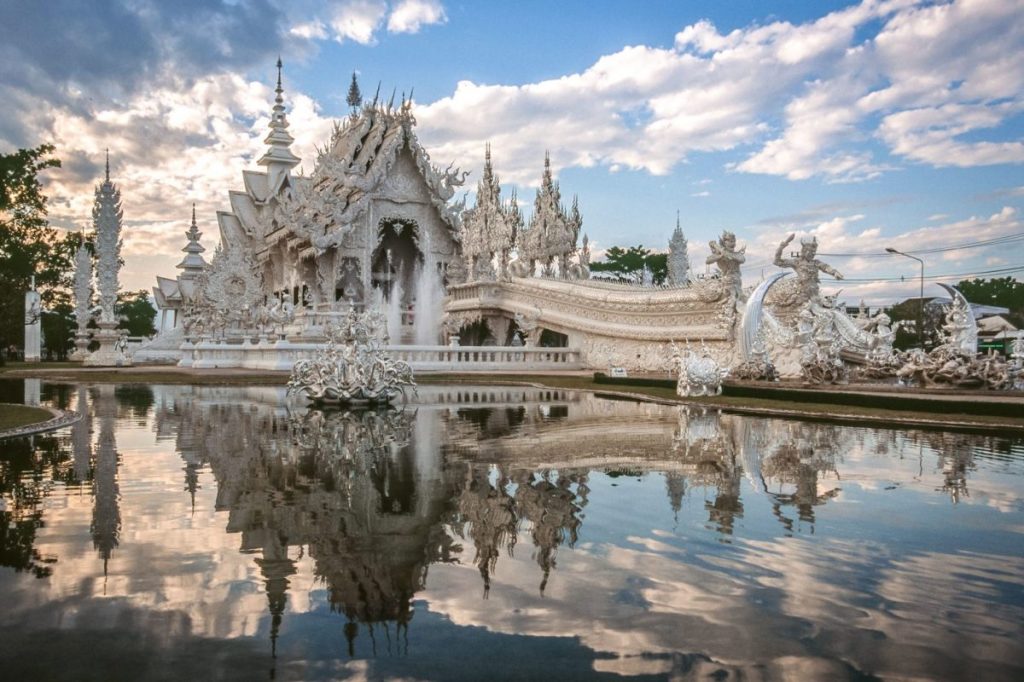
column 945, row 276
column 1005, row 239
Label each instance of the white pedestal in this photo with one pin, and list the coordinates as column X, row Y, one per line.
column 108, row 354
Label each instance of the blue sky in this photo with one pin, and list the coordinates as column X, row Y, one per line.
column 872, row 124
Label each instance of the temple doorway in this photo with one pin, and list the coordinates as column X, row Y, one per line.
column 397, row 257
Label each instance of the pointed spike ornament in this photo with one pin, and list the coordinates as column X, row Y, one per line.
column 193, row 264
column 278, row 159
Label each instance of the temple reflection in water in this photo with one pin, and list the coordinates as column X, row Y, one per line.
column 375, row 498
column 494, row 480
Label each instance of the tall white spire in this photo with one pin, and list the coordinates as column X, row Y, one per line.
column 278, row 158
column 193, row 263
column 678, row 260
column 106, row 217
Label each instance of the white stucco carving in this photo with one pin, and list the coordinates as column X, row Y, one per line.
column 83, row 300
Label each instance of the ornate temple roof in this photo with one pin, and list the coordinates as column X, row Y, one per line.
column 357, row 164
column 553, row 230
column 490, row 226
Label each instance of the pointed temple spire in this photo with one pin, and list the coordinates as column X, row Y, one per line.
column 678, row 259
column 106, row 217
column 193, row 264
column 278, row 158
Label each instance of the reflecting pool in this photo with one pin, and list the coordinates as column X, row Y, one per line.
column 212, row 533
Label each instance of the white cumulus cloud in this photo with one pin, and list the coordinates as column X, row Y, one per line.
column 408, row 16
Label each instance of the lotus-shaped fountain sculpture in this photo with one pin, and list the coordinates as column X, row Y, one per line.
column 353, row 367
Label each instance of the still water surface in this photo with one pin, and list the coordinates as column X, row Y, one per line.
column 501, row 533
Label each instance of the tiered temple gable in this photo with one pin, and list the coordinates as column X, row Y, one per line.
column 372, row 212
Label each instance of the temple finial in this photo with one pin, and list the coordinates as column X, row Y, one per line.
column 677, row 219
column 108, row 164
column 193, row 213
column 279, row 90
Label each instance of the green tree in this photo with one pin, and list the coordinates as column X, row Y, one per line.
column 1001, row 291
column 28, row 245
column 58, row 330
column 355, row 98
column 136, row 312
column 629, row 263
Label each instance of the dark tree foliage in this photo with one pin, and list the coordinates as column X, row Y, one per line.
column 28, row 245
column 907, row 312
column 136, row 312
column 1001, row 291
column 26, row 471
column 58, row 330
column 355, row 98
column 629, row 263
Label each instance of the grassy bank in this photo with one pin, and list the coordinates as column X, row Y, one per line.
column 16, row 416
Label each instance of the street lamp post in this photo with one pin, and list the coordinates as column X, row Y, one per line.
column 920, row 307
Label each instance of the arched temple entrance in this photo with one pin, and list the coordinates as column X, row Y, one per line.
column 397, row 257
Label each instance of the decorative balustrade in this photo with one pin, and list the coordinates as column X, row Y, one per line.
column 282, row 355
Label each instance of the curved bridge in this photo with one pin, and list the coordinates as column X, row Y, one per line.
column 610, row 324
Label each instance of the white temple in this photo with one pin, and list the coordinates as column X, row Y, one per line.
column 373, row 226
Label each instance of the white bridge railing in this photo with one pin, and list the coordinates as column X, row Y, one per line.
column 282, row 355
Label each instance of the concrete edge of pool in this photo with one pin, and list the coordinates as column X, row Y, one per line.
column 986, row 412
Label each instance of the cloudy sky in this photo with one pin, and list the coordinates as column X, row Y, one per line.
column 881, row 123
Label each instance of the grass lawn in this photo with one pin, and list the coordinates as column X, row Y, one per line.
column 14, row 416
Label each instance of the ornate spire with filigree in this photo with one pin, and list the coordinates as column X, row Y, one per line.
column 106, row 218
column 553, row 231
column 193, row 264
column 278, row 158
column 490, row 227
column 83, row 284
column 678, row 260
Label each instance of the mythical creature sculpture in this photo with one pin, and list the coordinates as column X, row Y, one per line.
column 820, row 345
column 759, row 366
column 807, row 268
column 728, row 259
column 954, row 362
column 353, row 367
column 697, row 374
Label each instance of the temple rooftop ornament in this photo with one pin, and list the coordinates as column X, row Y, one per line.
column 490, row 228
column 193, row 264
column 278, row 159
column 553, row 231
